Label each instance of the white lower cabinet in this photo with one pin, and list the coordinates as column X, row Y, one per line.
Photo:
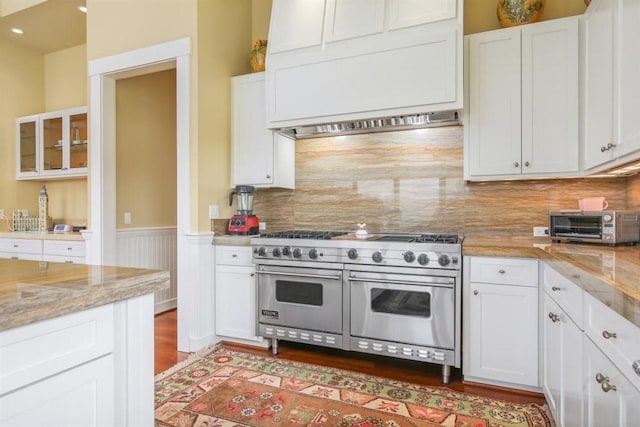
column 500, row 321
column 562, row 365
column 235, row 294
column 610, row 398
column 69, row 251
column 63, row 251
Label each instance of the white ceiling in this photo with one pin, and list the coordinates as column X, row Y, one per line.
column 48, row 27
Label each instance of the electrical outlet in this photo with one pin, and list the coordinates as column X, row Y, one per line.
column 263, row 226
column 540, row 231
column 1, row 213
column 127, row 218
column 214, row 211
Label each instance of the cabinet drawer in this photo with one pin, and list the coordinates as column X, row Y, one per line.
column 618, row 338
column 233, row 255
column 505, row 271
column 566, row 293
column 64, row 248
column 63, row 258
column 33, row 352
column 25, row 246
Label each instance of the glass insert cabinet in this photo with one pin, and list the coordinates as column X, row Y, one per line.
column 52, row 145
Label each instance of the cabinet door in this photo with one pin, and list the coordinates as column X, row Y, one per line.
column 82, row 396
column 628, row 77
column 299, row 24
column 76, row 155
column 27, row 147
column 494, row 106
column 407, row 13
column 599, row 87
column 252, row 142
column 503, row 322
column 353, row 18
column 611, row 399
column 235, row 302
column 562, row 365
column 550, row 77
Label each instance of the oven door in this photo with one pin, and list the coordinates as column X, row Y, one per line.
column 304, row 298
column 416, row 310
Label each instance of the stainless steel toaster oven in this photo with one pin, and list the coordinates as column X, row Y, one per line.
column 600, row 227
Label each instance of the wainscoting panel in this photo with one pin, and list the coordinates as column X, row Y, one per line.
column 154, row 248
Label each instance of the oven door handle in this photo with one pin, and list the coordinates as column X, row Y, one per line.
column 305, row 275
column 400, row 282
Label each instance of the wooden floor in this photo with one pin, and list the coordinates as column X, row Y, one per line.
column 405, row 370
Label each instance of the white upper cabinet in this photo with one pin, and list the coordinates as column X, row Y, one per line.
column 612, row 87
column 299, row 24
column 52, row 145
column 522, row 114
column 340, row 60
column 259, row 157
column 407, row 13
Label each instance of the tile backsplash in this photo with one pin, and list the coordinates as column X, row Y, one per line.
column 410, row 181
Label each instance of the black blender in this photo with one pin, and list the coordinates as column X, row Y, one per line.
column 244, row 222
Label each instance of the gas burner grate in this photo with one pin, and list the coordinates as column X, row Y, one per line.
column 304, row 234
column 437, row 238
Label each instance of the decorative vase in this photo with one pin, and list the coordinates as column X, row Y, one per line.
column 587, row 2
column 519, row 12
column 258, row 55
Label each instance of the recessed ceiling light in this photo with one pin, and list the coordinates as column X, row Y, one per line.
column 17, row 30
column 82, row 9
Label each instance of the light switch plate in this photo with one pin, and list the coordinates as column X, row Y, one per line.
column 127, row 218
column 214, row 211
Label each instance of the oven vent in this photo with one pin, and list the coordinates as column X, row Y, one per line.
column 414, row 121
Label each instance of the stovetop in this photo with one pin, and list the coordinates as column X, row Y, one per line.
column 425, row 250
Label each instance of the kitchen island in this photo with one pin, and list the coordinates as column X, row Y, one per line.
column 76, row 344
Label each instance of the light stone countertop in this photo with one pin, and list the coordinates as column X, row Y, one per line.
column 31, row 291
column 41, row 236
column 228, row 240
column 612, row 273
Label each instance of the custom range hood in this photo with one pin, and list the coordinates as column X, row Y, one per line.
column 415, row 121
column 334, row 67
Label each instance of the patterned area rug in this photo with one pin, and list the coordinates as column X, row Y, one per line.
column 231, row 388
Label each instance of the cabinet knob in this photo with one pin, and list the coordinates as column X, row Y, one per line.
column 526, row 163
column 555, row 288
column 554, row 317
column 607, row 335
column 603, row 149
column 268, row 176
column 234, row 255
column 516, row 164
column 501, row 271
column 475, row 292
column 636, row 367
column 601, row 378
column 252, row 274
column 606, row 387
column 610, row 145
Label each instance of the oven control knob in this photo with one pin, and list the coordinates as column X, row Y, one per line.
column 607, row 218
column 297, row 253
column 262, row 252
column 352, row 254
column 286, row 251
column 313, row 253
column 443, row 260
column 276, row 252
column 423, row 259
column 409, row 256
column 377, row 257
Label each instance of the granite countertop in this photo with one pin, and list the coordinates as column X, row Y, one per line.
column 31, row 291
column 43, row 236
column 613, row 273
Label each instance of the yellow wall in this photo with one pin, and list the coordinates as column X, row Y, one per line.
column 146, row 150
column 22, row 92
column 261, row 12
column 481, row 15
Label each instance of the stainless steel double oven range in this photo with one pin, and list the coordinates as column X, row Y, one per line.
column 397, row 295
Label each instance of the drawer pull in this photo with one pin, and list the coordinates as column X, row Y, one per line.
column 15, row 246
column 636, row 367
column 576, row 276
column 601, row 378
column 555, row 288
column 14, row 257
column 554, row 317
column 501, row 271
column 475, row 292
column 606, row 387
column 234, row 255
column 607, row 334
